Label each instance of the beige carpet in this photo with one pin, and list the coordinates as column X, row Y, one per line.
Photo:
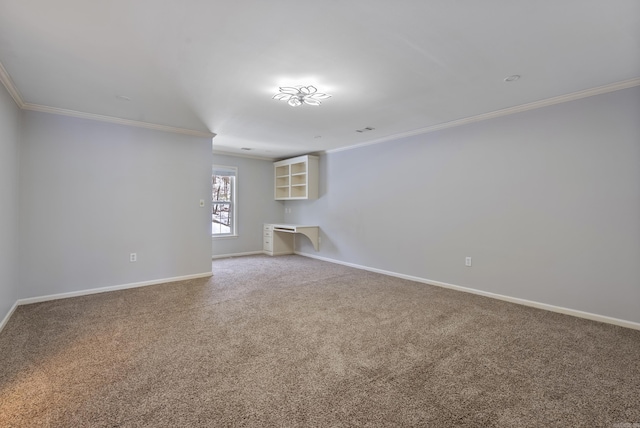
column 291, row 341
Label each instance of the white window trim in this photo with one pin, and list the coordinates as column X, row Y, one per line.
column 234, row 219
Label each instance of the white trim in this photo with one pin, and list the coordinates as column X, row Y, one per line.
column 5, row 78
column 531, row 303
column 499, row 113
column 233, row 203
column 116, row 120
column 226, row 256
column 87, row 292
column 239, row 155
column 6, row 318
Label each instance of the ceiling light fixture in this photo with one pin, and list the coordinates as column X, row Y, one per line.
column 297, row 95
column 512, row 78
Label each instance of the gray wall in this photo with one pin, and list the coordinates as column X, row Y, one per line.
column 9, row 135
column 547, row 202
column 255, row 204
column 93, row 192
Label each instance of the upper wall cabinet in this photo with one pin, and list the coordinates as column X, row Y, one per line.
column 296, row 178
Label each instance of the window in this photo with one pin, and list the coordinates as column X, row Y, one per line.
column 223, row 207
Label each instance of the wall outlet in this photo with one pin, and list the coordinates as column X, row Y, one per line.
column 467, row 261
column 133, row 257
column 202, row 202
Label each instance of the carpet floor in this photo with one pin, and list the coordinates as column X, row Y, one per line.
column 296, row 342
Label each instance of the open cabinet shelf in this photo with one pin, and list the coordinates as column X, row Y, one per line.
column 296, row 178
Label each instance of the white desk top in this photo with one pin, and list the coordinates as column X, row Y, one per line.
column 311, row 232
column 290, row 226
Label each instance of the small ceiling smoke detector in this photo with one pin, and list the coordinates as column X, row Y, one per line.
column 512, row 78
column 123, row 98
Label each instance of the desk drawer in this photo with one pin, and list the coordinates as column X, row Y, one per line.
column 268, row 233
column 267, row 244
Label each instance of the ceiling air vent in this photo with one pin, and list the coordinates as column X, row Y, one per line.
column 368, row 128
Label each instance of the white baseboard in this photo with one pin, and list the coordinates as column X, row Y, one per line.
column 531, row 303
column 6, row 318
column 39, row 299
column 226, row 256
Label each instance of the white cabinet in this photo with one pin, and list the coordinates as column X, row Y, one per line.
column 296, row 178
column 278, row 239
column 276, row 244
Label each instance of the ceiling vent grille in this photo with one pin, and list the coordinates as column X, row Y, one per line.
column 368, row 128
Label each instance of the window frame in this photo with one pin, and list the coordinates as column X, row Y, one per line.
column 233, row 203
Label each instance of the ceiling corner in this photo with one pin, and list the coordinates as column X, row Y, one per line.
column 6, row 80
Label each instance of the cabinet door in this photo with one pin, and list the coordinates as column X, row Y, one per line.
column 267, row 244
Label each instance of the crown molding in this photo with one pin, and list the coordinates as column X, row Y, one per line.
column 116, row 120
column 6, row 80
column 241, row 155
column 625, row 84
column 11, row 87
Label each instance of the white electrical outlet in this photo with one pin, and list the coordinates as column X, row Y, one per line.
column 467, row 261
column 133, row 257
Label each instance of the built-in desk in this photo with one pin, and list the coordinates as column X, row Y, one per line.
column 279, row 239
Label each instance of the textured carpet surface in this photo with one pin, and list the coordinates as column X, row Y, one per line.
column 291, row 341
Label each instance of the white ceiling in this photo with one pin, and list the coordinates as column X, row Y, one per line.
column 397, row 66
